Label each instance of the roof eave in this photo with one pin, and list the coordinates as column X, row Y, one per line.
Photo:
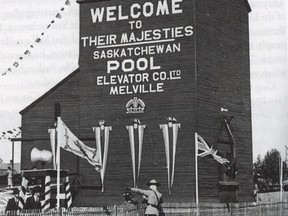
column 30, row 106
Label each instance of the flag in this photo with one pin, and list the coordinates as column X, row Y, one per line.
column 203, row 149
column 68, row 141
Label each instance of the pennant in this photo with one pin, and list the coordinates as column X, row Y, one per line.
column 62, row 9
column 38, row 40
column 58, row 15
column 100, row 132
column 203, row 150
column 67, row 2
column 68, row 141
column 131, row 130
column 16, row 64
column 68, row 195
column 27, row 52
column 165, row 130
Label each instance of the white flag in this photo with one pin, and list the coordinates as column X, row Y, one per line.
column 68, row 141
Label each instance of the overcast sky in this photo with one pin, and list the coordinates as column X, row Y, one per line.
column 56, row 55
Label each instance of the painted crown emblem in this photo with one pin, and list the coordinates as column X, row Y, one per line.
column 135, row 105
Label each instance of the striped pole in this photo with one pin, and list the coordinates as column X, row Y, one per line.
column 22, row 193
column 68, row 194
column 47, row 193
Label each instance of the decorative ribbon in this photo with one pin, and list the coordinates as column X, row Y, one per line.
column 165, row 130
column 132, row 147
column 103, row 160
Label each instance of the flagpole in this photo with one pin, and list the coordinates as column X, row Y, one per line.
column 281, row 183
column 196, row 173
column 281, row 178
column 58, row 166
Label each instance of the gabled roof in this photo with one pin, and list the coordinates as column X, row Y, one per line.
column 50, row 91
column 248, row 6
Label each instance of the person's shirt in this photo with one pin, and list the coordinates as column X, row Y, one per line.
column 12, row 204
column 9, row 173
column 151, row 199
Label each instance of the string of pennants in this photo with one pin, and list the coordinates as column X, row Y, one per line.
column 8, row 135
column 28, row 51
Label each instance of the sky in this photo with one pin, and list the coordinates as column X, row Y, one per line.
column 56, row 56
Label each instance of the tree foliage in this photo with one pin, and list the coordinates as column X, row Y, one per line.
column 267, row 170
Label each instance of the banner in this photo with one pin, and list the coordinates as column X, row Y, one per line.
column 165, row 129
column 100, row 132
column 131, row 130
column 68, row 141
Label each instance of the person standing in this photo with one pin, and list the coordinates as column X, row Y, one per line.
column 33, row 202
column 12, row 205
column 9, row 177
column 154, row 198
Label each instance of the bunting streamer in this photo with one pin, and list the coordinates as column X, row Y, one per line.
column 165, row 130
column 47, row 194
column 131, row 130
column 103, row 160
column 8, row 135
column 37, row 40
column 22, row 193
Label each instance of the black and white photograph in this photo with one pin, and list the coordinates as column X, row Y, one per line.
column 144, row 107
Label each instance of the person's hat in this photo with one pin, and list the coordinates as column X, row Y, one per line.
column 153, row 182
column 15, row 191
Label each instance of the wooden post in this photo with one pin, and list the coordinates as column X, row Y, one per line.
column 281, row 184
column 58, row 168
column 12, row 162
